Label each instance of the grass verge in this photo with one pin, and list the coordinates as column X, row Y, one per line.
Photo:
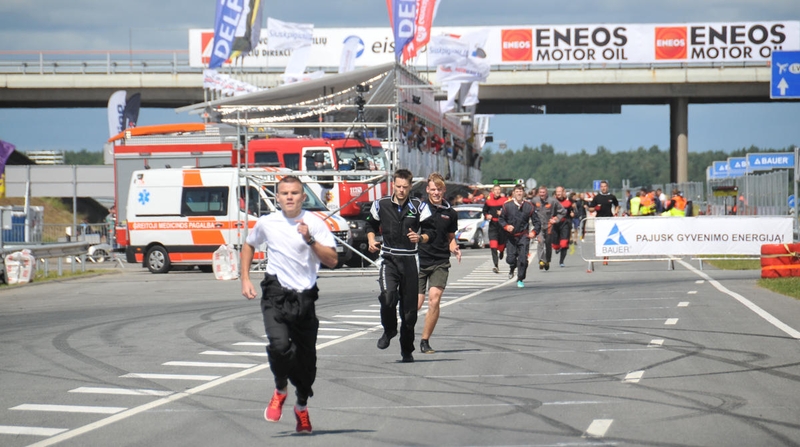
column 734, row 264
column 784, row 286
column 40, row 277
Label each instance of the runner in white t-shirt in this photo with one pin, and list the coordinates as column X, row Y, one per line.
column 297, row 242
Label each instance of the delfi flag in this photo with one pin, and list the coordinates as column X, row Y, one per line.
column 249, row 30
column 402, row 14
column 229, row 15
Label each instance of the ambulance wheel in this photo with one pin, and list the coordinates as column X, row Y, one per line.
column 157, row 259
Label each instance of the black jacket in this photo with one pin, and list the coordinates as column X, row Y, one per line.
column 393, row 221
column 519, row 216
column 443, row 222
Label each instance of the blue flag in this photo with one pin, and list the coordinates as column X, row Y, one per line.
column 403, row 14
column 5, row 151
column 226, row 21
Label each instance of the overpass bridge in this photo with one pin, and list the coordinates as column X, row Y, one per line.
column 167, row 80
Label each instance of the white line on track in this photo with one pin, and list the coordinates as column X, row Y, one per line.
column 331, row 337
column 32, row 431
column 168, row 376
column 250, row 343
column 671, row 322
column 334, row 329
column 683, row 304
column 699, row 281
column 120, row 391
column 214, row 383
column 357, row 316
column 633, row 377
column 211, row 364
column 248, row 354
column 656, row 343
column 692, row 292
column 598, row 428
column 747, row 303
column 69, row 408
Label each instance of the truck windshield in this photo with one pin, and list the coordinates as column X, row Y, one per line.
column 312, row 202
column 362, row 159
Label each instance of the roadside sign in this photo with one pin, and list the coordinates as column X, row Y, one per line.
column 596, row 185
column 785, row 80
column 737, row 166
column 765, row 162
column 720, row 169
column 791, row 201
column 530, row 183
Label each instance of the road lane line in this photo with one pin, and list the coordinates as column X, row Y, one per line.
column 32, row 431
column 168, row 376
column 211, row 364
column 250, row 343
column 248, row 354
column 671, row 322
column 683, row 304
column 747, row 303
column 598, row 428
column 692, row 292
column 69, row 408
column 633, row 377
column 656, row 343
column 120, row 391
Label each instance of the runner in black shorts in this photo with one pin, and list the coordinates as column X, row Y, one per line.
column 563, row 228
column 434, row 258
column 497, row 236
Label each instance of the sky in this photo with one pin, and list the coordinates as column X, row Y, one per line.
column 36, row 25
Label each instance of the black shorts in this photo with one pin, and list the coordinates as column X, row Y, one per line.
column 562, row 230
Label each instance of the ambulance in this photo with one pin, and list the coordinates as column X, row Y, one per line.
column 180, row 216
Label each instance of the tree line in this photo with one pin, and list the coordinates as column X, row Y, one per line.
column 643, row 166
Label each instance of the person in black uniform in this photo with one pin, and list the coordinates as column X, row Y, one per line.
column 514, row 218
column 606, row 205
column 434, row 258
column 497, row 236
column 398, row 219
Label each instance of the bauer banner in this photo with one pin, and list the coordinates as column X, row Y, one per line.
column 678, row 236
column 651, row 44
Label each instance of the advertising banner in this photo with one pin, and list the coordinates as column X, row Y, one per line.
column 228, row 20
column 651, row 44
column 116, row 112
column 679, row 236
column 768, row 161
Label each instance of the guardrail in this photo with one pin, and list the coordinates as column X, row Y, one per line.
column 45, row 253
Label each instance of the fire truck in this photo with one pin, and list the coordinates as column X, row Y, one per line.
column 208, row 145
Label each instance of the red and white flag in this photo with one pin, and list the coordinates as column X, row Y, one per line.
column 426, row 13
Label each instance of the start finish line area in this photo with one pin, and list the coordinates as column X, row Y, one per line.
column 628, row 239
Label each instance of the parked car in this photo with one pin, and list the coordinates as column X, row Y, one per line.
column 473, row 230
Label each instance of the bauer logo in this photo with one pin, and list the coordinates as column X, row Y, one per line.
column 671, row 42
column 517, row 45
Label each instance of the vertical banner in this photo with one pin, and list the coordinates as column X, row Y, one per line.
column 249, row 30
column 403, row 13
column 5, row 151
column 131, row 113
column 226, row 22
column 116, row 110
column 349, row 53
column 426, row 13
column 287, row 35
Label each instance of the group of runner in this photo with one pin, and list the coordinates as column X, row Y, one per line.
column 418, row 239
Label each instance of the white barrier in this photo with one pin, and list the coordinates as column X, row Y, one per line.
column 19, row 267
column 225, row 263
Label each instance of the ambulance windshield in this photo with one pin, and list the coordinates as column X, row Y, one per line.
column 362, row 159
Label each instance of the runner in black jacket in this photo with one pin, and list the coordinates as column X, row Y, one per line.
column 514, row 218
column 398, row 219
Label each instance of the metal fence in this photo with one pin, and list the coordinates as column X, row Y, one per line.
column 756, row 195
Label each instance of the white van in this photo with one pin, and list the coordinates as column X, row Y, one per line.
column 181, row 216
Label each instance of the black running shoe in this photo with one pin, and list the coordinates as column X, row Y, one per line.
column 511, row 273
column 425, row 347
column 383, row 342
column 547, row 266
column 500, row 254
column 407, row 358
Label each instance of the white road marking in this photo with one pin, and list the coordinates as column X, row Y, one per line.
column 331, row 337
column 699, row 281
column 334, row 329
column 747, row 303
column 211, row 364
column 683, row 304
column 69, row 408
column 250, row 343
column 656, row 343
column 168, row 376
column 357, row 316
column 598, row 428
column 120, row 391
column 222, row 380
column 692, row 292
column 633, row 377
column 32, row 431
column 366, row 310
column 671, row 322
column 249, row 354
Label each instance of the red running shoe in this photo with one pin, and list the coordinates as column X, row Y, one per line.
column 275, row 407
column 303, row 421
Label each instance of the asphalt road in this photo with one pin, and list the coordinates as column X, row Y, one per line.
column 632, row 354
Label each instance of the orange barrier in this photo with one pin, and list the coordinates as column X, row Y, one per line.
column 780, row 261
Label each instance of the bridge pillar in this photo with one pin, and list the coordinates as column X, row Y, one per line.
column 679, row 140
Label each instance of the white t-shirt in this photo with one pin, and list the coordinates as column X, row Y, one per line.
column 288, row 256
